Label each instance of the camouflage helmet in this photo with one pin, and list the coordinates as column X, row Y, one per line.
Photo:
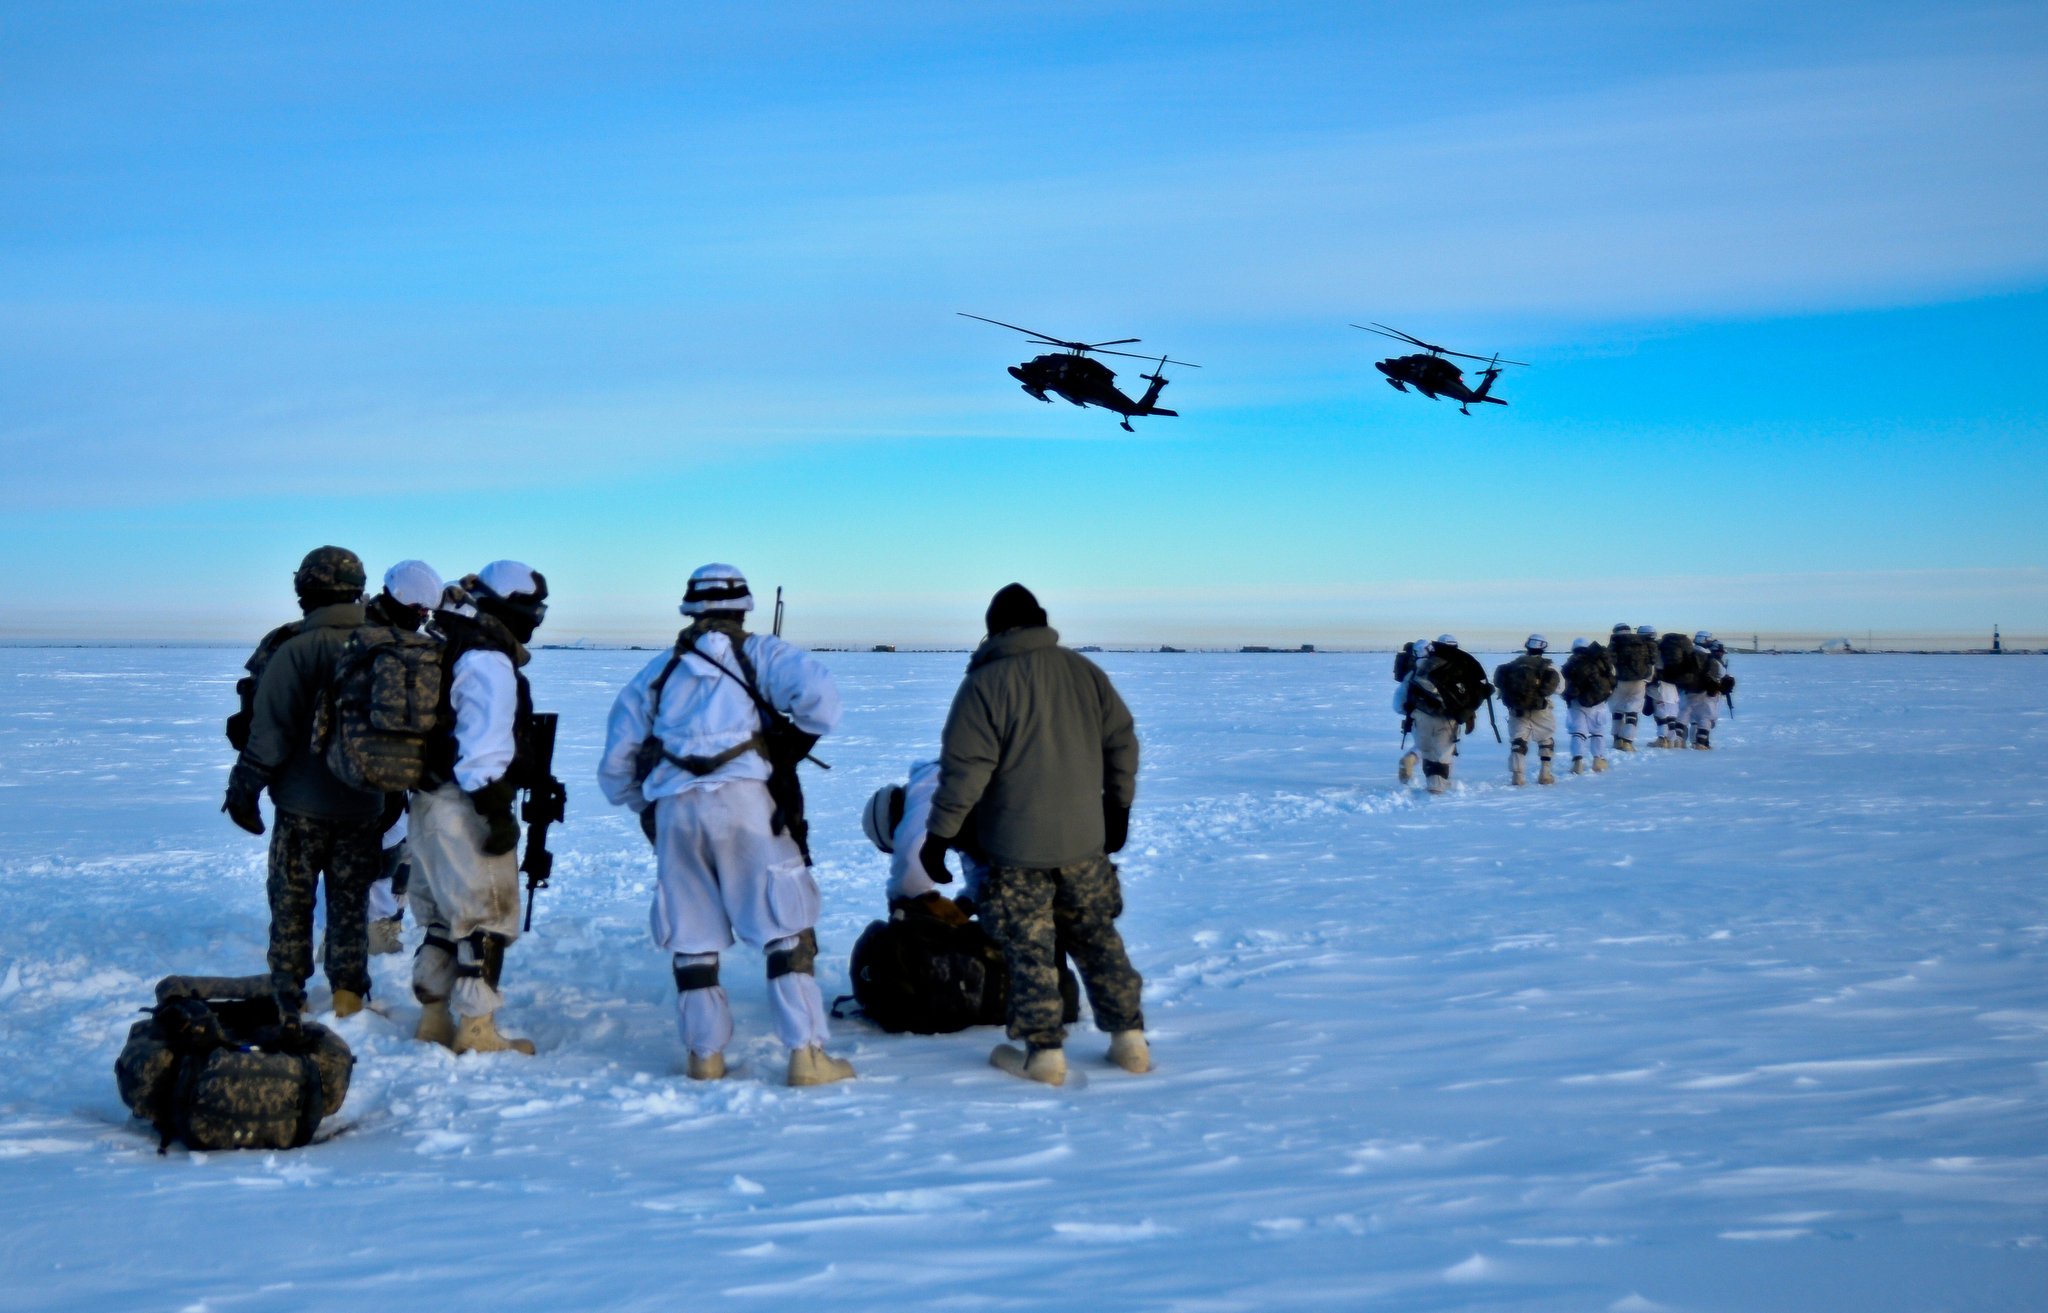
column 330, row 570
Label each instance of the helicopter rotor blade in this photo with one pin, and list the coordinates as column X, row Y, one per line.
column 1046, row 338
column 1132, row 355
column 1384, row 331
column 1490, row 360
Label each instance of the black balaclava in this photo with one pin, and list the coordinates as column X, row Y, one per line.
column 1013, row 607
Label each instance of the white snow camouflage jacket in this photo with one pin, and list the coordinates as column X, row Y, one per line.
column 705, row 711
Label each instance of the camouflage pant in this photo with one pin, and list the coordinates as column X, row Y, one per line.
column 302, row 848
column 1036, row 915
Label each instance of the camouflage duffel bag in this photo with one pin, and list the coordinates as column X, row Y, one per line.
column 215, row 1066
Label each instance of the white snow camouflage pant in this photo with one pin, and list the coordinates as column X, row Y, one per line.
column 1626, row 702
column 457, row 890
column 1588, row 726
column 1664, row 698
column 1436, row 742
column 723, row 873
column 1701, row 710
column 1533, row 728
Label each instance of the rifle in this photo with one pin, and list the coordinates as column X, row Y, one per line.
column 546, row 804
column 777, row 631
column 1491, row 721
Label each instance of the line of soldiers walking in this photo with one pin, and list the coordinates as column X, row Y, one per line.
column 395, row 735
column 1681, row 684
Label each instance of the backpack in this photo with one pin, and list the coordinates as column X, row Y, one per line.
column 1404, row 663
column 1460, row 683
column 1635, row 656
column 1675, row 659
column 239, row 723
column 1522, row 685
column 214, row 1066
column 917, row 973
column 381, row 709
column 1588, row 676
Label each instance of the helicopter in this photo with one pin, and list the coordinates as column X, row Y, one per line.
column 1432, row 375
column 1085, row 381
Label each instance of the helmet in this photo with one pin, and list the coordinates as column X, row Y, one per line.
column 882, row 815
column 330, row 570
column 1446, row 640
column 1647, row 631
column 1536, row 643
column 1581, row 644
column 414, row 583
column 717, row 587
column 513, row 591
column 1621, row 629
column 1702, row 639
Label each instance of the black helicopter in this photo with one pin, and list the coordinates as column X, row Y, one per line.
column 1434, row 376
column 1084, row 381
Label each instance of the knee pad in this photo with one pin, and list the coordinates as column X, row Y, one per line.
column 696, row 971
column 480, row 955
column 1519, row 746
column 1442, row 768
column 798, row 955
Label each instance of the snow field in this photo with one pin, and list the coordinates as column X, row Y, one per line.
column 1762, row 1028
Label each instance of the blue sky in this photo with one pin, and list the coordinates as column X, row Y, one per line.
column 619, row 289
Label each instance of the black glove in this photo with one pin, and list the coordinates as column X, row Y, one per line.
column 1116, row 826
column 493, row 802
column 647, row 821
column 1727, row 685
column 932, row 856
column 245, row 787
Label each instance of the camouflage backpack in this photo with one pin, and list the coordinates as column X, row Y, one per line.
column 1521, row 685
column 1589, row 676
column 239, row 724
column 382, row 708
column 1676, row 659
column 215, row 1065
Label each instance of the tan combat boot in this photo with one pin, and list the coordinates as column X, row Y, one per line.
column 1408, row 764
column 706, row 1066
column 811, row 1065
column 1128, row 1049
column 1599, row 765
column 480, row 1035
column 1516, row 770
column 437, row 1025
column 1578, row 765
column 1546, row 775
column 347, row 1003
column 1439, row 784
column 1046, row 1066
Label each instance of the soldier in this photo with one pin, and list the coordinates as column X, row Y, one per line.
column 324, row 827
column 695, row 745
column 1440, row 697
column 412, row 589
column 1662, row 697
column 1041, row 752
column 1527, row 683
column 1635, row 661
column 1702, row 691
column 1588, row 684
column 462, row 832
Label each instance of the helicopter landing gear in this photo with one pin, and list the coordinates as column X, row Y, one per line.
column 1127, row 426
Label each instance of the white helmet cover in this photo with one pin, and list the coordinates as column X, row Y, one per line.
column 878, row 820
column 414, row 583
column 717, row 587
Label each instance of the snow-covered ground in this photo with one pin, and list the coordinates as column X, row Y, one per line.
column 1763, row 1028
